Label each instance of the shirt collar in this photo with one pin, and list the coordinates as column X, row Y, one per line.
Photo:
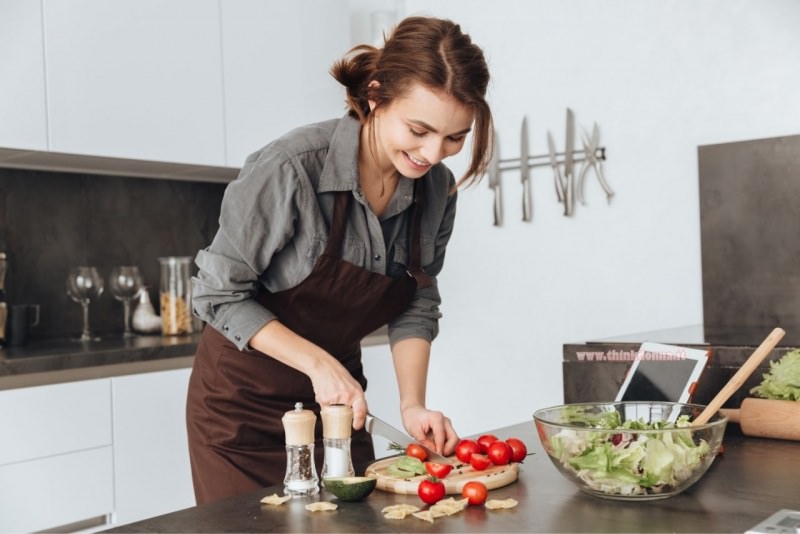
column 340, row 172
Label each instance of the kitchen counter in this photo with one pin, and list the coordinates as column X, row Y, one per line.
column 43, row 362
column 751, row 480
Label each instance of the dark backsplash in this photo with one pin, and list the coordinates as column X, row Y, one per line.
column 52, row 221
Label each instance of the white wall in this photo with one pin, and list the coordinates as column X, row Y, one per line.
column 660, row 78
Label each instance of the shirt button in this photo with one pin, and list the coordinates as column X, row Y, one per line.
column 226, row 328
column 237, row 338
column 359, row 193
column 377, row 257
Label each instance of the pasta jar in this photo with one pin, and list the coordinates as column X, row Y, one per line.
column 176, row 306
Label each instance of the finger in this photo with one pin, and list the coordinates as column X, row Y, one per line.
column 359, row 412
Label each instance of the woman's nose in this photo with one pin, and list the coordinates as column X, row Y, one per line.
column 433, row 151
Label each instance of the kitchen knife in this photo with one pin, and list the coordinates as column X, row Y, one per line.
column 554, row 163
column 381, row 428
column 525, row 171
column 494, row 182
column 569, row 193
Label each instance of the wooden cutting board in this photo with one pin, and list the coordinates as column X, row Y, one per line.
column 495, row 476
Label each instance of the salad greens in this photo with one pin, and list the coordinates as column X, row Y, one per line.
column 630, row 462
column 782, row 382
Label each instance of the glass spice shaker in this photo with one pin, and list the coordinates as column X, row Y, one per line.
column 301, row 473
column 337, row 422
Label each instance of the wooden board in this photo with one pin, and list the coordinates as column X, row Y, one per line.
column 495, row 476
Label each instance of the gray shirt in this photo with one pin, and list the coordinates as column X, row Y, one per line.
column 274, row 225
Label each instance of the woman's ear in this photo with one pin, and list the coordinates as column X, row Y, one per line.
column 372, row 94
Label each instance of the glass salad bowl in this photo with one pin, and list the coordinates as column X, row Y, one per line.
column 630, row 450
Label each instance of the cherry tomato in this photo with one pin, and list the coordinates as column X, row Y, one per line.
column 485, row 440
column 479, row 461
column 431, row 490
column 518, row 449
column 499, row 453
column 438, row 470
column 475, row 492
column 416, row 451
column 465, row 449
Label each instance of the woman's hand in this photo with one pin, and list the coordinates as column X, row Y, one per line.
column 431, row 428
column 333, row 384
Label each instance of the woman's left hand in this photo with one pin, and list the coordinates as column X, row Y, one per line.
column 431, row 428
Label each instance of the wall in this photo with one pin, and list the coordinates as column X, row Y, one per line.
column 52, row 221
column 659, row 78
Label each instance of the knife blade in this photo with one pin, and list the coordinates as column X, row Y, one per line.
column 381, row 428
column 554, row 163
column 569, row 193
column 494, row 181
column 525, row 171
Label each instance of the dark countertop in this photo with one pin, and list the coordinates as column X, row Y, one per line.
column 64, row 360
column 751, row 480
column 54, row 361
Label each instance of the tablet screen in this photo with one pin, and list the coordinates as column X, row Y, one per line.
column 659, row 380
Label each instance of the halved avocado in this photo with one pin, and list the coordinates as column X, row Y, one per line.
column 350, row 488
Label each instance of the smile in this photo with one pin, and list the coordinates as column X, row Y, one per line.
column 416, row 162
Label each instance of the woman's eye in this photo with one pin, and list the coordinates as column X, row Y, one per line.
column 416, row 133
column 457, row 139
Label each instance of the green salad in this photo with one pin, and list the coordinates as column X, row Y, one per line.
column 630, row 462
column 782, row 382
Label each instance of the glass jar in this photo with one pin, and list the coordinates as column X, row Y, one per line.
column 176, row 295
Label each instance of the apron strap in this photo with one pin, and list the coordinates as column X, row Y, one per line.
column 415, row 261
column 336, row 237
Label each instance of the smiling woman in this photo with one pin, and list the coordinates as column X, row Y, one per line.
column 330, row 232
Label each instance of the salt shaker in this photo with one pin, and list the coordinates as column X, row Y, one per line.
column 337, row 422
column 301, row 473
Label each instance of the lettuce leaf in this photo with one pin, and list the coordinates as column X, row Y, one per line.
column 782, row 382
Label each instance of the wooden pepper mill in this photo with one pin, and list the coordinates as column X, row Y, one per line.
column 337, row 424
column 301, row 473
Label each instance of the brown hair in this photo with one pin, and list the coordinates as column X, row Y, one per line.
column 430, row 51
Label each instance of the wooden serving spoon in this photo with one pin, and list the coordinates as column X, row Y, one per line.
column 741, row 375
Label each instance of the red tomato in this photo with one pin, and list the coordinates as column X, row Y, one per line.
column 416, row 451
column 475, row 492
column 499, row 453
column 438, row 470
column 518, row 449
column 465, row 449
column 431, row 490
column 485, row 440
column 479, row 461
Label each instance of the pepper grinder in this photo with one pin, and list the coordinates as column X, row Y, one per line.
column 301, row 473
column 337, row 422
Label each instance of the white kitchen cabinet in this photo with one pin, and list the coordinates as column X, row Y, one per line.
column 139, row 80
column 23, row 122
column 152, row 475
column 276, row 58
column 55, row 455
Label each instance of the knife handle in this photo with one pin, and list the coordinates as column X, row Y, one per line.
column 498, row 207
column 526, row 200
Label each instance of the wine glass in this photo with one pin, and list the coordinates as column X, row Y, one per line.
column 124, row 283
column 84, row 284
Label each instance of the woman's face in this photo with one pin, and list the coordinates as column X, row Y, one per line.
column 419, row 130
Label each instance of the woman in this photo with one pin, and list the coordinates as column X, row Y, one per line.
column 328, row 233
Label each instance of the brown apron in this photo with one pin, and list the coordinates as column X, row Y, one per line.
column 236, row 399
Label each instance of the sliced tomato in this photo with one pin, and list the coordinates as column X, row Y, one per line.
column 499, row 453
column 485, row 440
column 479, row 461
column 416, row 451
column 475, row 492
column 465, row 449
column 518, row 449
column 438, row 470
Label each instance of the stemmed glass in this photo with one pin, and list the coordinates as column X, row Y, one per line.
column 124, row 283
column 84, row 284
